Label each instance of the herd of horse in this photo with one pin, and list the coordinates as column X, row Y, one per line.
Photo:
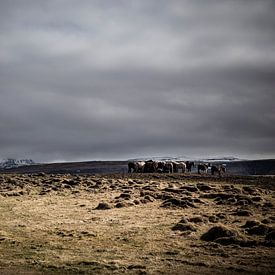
column 151, row 166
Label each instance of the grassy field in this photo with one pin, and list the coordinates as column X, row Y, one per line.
column 136, row 224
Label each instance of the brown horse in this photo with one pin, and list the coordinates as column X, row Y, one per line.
column 179, row 166
column 168, row 167
column 150, row 166
column 218, row 169
column 189, row 165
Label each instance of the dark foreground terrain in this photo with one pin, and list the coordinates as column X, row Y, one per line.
column 136, row 224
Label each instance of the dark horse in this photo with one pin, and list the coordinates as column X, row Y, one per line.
column 202, row 167
column 218, row 169
column 150, row 166
column 131, row 167
column 189, row 165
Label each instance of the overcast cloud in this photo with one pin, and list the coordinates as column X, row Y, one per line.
column 85, row 80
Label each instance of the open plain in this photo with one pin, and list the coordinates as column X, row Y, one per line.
column 136, row 224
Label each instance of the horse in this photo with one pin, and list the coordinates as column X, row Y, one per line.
column 179, row 166
column 139, row 166
column 202, row 167
column 218, row 169
column 160, row 166
column 150, row 166
column 223, row 168
column 168, row 167
column 189, row 165
column 131, row 167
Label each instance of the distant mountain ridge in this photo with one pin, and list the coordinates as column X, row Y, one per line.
column 220, row 159
column 12, row 163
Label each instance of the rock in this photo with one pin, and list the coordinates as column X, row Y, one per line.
column 125, row 196
column 69, row 182
column 268, row 204
column 257, row 198
column 123, row 204
column 190, row 188
column 204, row 187
column 242, row 202
column 67, row 186
column 197, row 200
column 175, row 202
column 221, row 216
column 173, row 190
column 223, row 196
column 217, row 232
column 250, row 224
column 242, row 213
column 144, row 201
column 266, row 221
column 103, row 206
column 184, row 227
column 157, row 195
column 272, row 218
column 196, row 219
column 232, row 200
column 227, row 240
column 258, row 230
column 183, row 220
column 149, row 198
column 248, row 243
column 270, row 236
column 213, row 219
column 218, row 200
column 249, row 190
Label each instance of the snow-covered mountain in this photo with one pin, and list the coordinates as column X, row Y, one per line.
column 11, row 163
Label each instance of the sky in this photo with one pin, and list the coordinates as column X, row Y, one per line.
column 111, row 80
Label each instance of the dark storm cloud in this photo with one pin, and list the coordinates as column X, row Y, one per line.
column 120, row 79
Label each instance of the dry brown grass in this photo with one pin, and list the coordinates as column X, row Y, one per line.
column 49, row 224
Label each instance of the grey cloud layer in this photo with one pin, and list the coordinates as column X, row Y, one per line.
column 118, row 79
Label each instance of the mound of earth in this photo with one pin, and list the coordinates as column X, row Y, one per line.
column 103, row 206
column 217, row 232
column 184, row 227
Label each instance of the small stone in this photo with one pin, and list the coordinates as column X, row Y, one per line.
column 103, row 206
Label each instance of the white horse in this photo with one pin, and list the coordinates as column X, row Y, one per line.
column 139, row 166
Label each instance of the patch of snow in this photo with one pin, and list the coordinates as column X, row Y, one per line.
column 11, row 163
